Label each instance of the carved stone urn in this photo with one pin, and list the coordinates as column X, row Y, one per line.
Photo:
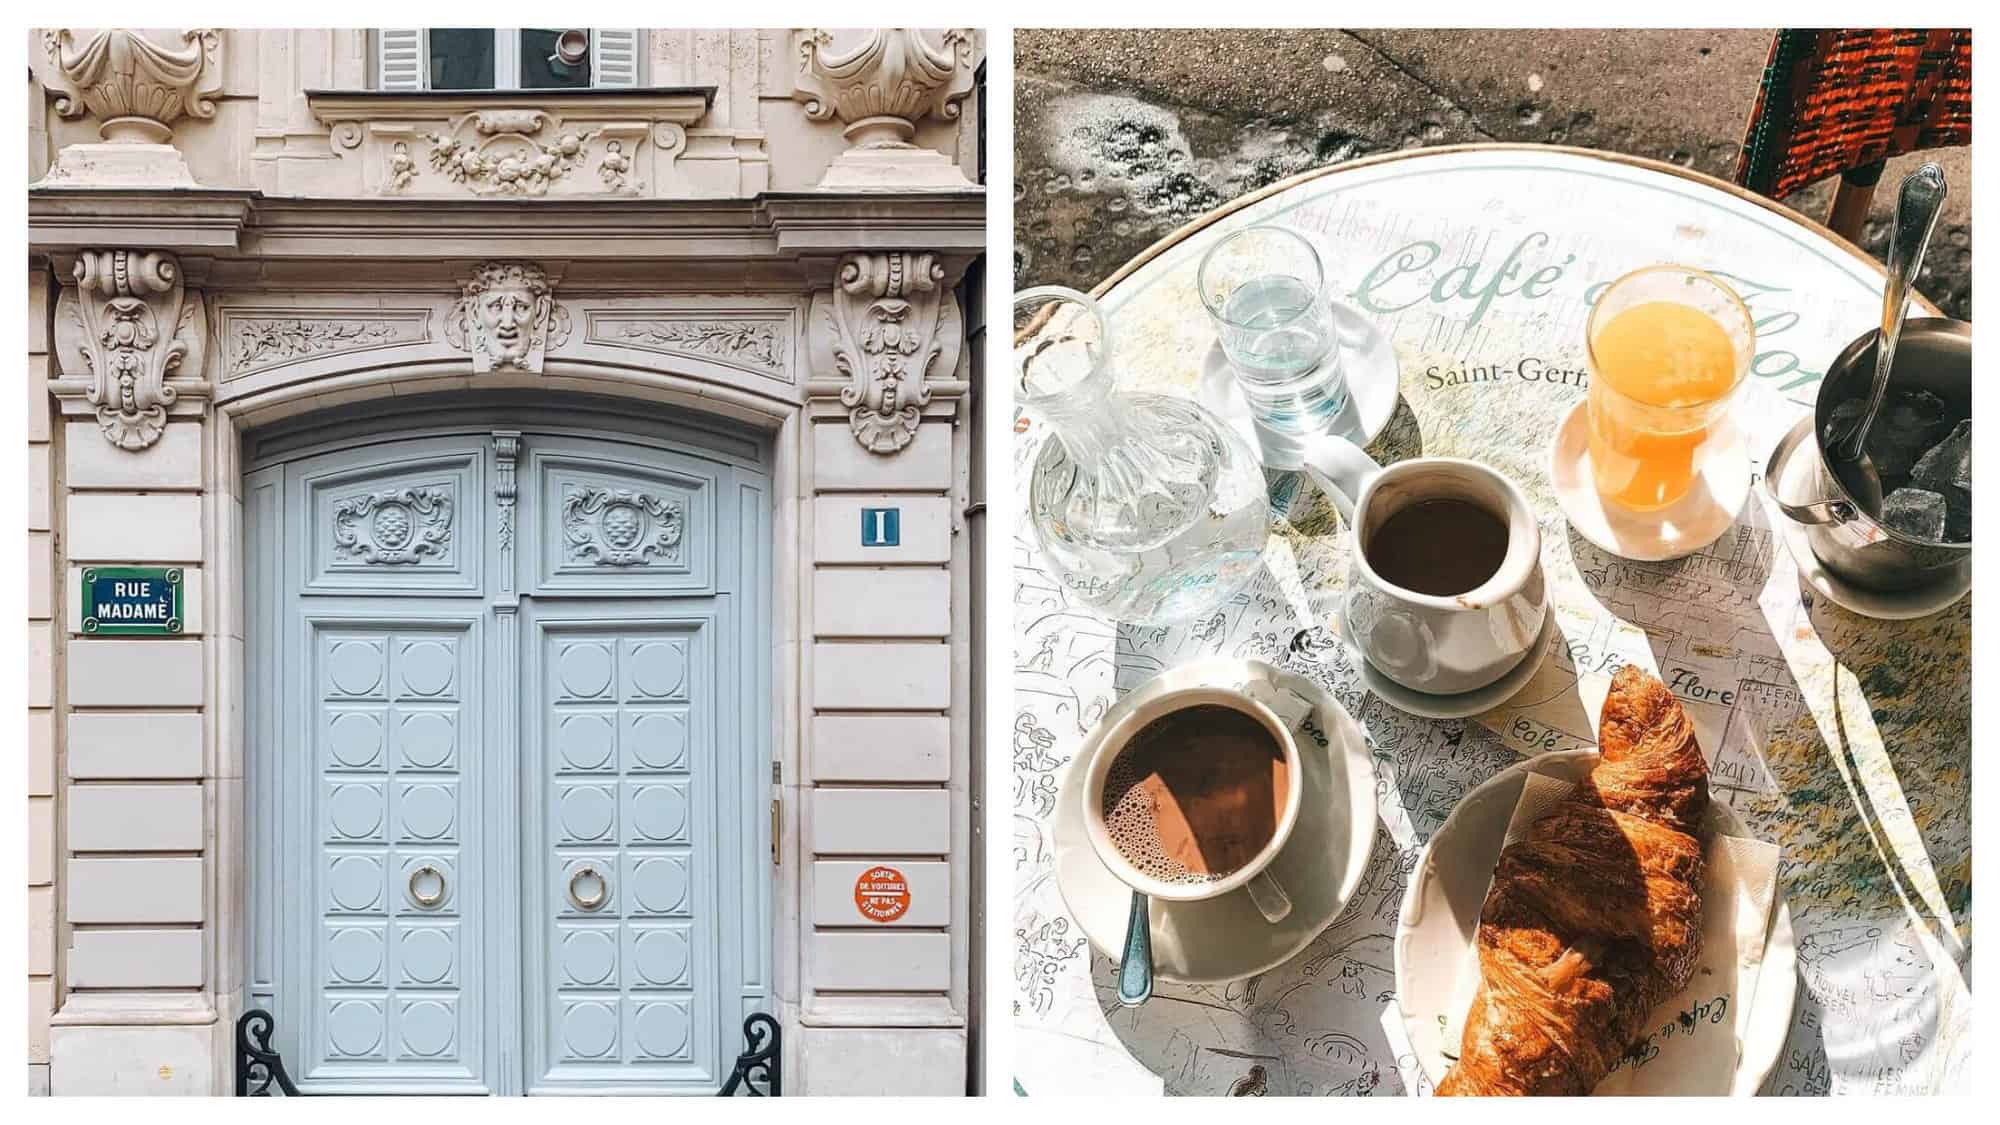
column 136, row 83
column 880, row 82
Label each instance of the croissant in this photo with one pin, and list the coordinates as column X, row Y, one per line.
column 1594, row 915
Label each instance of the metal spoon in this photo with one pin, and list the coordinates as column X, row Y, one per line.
column 1917, row 206
column 1135, row 967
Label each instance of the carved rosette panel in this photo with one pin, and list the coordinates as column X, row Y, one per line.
column 131, row 325
column 507, row 318
column 621, row 526
column 762, row 346
column 397, row 526
column 889, row 327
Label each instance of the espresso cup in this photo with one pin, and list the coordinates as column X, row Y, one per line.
column 1442, row 644
column 1253, row 877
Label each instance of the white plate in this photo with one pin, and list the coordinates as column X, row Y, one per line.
column 1440, row 912
column 1681, row 528
column 1797, row 487
column 1465, row 704
column 1226, row 938
column 1374, row 381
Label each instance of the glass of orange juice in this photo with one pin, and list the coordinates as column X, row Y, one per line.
column 1668, row 347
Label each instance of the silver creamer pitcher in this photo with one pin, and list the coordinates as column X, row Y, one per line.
column 1934, row 355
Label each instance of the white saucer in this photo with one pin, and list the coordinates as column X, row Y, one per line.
column 1796, row 487
column 1682, row 528
column 1373, row 385
column 1464, row 704
column 1226, row 938
column 1447, row 888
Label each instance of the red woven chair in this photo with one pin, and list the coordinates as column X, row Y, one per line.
column 1845, row 101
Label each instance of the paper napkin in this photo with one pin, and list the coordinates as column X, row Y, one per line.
column 1693, row 1041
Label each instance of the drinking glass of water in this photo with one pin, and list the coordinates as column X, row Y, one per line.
column 1265, row 291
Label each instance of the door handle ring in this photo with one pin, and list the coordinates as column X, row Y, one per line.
column 430, row 900
column 588, row 873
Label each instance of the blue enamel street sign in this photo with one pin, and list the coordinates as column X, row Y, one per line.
column 881, row 527
column 132, row 600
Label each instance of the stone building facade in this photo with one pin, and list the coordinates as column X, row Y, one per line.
column 560, row 444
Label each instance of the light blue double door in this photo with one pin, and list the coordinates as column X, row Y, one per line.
column 504, row 760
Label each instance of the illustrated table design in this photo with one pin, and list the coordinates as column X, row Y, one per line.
column 1844, row 740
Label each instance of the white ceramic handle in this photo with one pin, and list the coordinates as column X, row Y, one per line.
column 1340, row 469
column 1272, row 901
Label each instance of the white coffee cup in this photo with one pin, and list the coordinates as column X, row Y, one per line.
column 1253, row 877
column 1440, row 644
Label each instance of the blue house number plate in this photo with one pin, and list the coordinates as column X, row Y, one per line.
column 881, row 527
column 132, row 600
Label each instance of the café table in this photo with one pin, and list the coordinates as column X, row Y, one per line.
column 1843, row 739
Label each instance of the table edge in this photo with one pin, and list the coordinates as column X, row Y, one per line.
column 1195, row 226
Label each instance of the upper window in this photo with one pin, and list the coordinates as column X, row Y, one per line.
column 485, row 58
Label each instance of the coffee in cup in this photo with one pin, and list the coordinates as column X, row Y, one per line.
column 1196, row 794
column 1442, row 547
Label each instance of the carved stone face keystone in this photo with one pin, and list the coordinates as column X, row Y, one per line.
column 508, row 317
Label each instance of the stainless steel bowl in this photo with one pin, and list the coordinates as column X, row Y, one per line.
column 1934, row 355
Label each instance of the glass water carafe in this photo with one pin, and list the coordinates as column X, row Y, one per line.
column 1149, row 508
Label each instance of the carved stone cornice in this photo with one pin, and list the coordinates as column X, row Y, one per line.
column 128, row 321
column 515, row 144
column 880, row 87
column 507, row 317
column 890, row 328
column 137, row 84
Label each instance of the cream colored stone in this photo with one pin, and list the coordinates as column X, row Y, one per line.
column 41, row 664
column 109, row 744
column 39, row 487
column 881, row 677
column 193, row 620
column 128, row 527
column 39, row 403
column 134, row 672
column 928, row 885
column 879, row 748
column 165, row 1059
column 887, row 961
column 134, row 818
column 134, row 890
column 41, row 1005
column 41, row 575
column 41, row 753
column 135, row 959
column 174, row 461
column 883, row 822
column 880, row 1062
column 842, row 464
column 39, row 300
column 925, row 529
column 41, row 841
column 41, row 931
column 882, row 602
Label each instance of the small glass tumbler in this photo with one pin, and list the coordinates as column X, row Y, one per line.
column 1265, row 291
column 1668, row 347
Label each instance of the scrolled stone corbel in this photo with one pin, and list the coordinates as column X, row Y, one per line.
column 889, row 327
column 130, row 323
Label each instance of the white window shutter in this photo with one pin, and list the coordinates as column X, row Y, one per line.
column 614, row 57
column 399, row 58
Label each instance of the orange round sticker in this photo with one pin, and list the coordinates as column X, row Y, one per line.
column 882, row 894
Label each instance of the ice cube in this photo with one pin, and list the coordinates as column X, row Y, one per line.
column 1946, row 469
column 1911, row 422
column 1915, row 512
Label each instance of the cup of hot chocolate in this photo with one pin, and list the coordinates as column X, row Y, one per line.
column 1445, row 592
column 1193, row 795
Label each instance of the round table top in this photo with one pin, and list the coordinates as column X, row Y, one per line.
column 1844, row 740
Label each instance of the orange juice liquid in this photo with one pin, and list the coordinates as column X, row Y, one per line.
column 1670, row 365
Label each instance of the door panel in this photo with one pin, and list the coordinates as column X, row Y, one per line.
column 401, row 910
column 627, row 956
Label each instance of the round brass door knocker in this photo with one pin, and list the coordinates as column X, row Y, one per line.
column 427, row 886
column 588, row 887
